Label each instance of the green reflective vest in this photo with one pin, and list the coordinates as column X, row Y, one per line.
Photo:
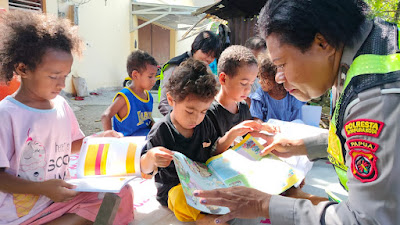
column 362, row 65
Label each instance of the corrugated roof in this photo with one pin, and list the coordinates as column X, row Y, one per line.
column 228, row 9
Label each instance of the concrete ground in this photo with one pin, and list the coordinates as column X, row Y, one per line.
column 89, row 110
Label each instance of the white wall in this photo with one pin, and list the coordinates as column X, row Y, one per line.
column 104, row 28
column 4, row 4
column 197, row 3
column 183, row 45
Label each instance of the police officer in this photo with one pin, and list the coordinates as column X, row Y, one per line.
column 205, row 48
column 316, row 45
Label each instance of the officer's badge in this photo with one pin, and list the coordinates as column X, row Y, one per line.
column 363, row 127
column 363, row 166
column 362, row 144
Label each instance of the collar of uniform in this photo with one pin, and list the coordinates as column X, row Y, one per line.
column 189, row 53
column 350, row 52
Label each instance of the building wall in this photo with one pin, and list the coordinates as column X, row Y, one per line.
column 183, row 45
column 4, row 4
column 104, row 28
column 197, row 3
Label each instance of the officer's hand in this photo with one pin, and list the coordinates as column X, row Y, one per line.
column 285, row 148
column 243, row 202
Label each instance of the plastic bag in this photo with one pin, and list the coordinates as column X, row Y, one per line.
column 80, row 86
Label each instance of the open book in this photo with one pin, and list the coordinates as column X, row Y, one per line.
column 240, row 166
column 106, row 164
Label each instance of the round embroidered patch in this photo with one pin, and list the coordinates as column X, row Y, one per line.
column 363, row 166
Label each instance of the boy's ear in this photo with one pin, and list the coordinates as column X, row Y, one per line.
column 134, row 74
column 21, row 69
column 170, row 100
column 222, row 78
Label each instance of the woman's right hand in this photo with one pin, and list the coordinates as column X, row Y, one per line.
column 285, row 148
column 58, row 190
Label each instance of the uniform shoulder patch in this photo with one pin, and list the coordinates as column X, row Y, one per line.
column 363, row 127
column 362, row 144
column 363, row 166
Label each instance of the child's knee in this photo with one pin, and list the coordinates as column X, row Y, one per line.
column 178, row 205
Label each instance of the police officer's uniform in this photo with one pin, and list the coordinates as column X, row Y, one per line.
column 364, row 138
column 166, row 72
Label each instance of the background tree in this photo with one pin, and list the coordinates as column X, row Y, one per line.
column 388, row 10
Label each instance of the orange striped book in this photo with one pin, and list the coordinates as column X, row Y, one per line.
column 106, row 164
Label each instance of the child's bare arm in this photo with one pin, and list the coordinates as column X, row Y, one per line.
column 155, row 157
column 76, row 146
column 116, row 107
column 55, row 189
column 238, row 130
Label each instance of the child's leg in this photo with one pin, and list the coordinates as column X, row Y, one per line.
column 178, row 205
column 86, row 205
column 184, row 212
column 71, row 219
column 208, row 220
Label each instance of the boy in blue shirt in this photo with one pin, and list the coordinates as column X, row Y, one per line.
column 271, row 100
column 132, row 107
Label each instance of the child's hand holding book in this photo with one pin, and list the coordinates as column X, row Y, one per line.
column 154, row 158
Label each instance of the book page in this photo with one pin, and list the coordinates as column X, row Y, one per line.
column 242, row 166
column 106, row 164
column 297, row 130
column 196, row 176
column 102, row 184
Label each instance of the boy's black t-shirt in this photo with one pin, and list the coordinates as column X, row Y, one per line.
column 197, row 148
column 224, row 120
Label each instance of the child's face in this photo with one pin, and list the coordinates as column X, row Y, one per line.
column 267, row 84
column 205, row 57
column 145, row 79
column 48, row 79
column 190, row 112
column 238, row 87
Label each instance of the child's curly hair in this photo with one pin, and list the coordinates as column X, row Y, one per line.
column 192, row 77
column 138, row 60
column 266, row 69
column 25, row 37
column 234, row 57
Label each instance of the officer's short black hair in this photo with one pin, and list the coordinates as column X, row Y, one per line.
column 138, row 60
column 297, row 22
column 256, row 43
column 192, row 77
column 207, row 42
column 234, row 57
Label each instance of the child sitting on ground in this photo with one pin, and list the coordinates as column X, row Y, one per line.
column 39, row 130
column 132, row 106
column 237, row 69
column 190, row 91
column 271, row 100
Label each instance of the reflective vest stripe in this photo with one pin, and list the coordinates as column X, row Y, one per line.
column 377, row 64
column 362, row 65
column 161, row 80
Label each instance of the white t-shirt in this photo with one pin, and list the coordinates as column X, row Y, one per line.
column 35, row 145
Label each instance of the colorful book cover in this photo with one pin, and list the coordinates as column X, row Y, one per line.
column 106, row 164
column 240, row 166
